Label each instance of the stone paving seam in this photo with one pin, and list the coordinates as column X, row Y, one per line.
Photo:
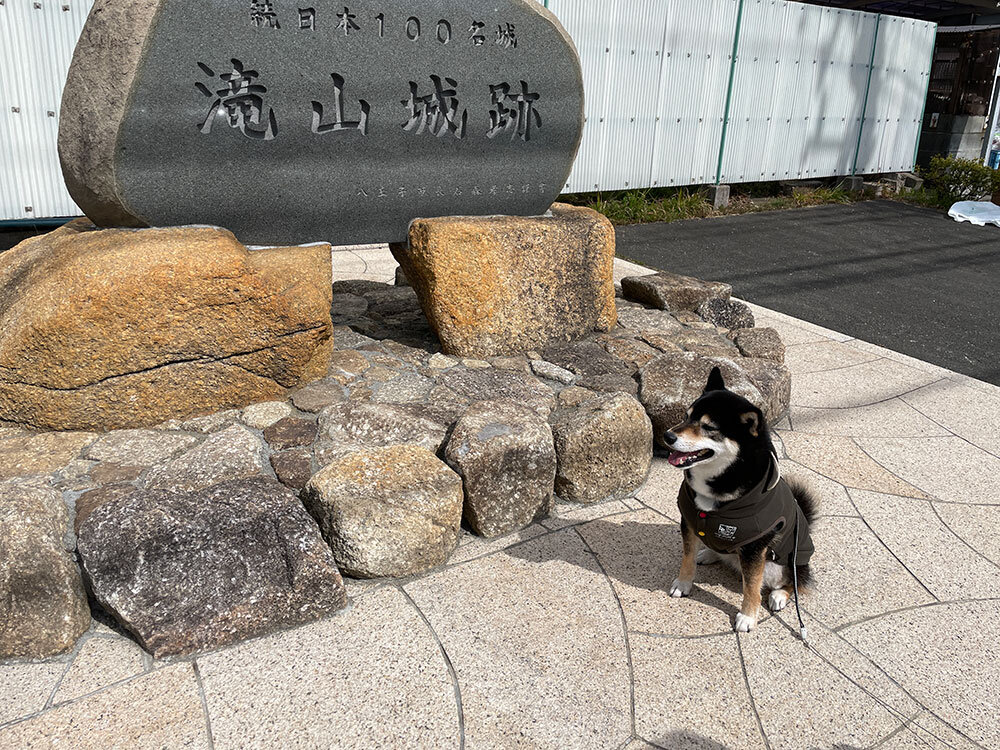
column 876, row 402
column 894, row 712
column 204, row 704
column 943, row 427
column 930, row 495
column 69, row 665
column 447, row 662
column 837, row 369
column 547, row 532
column 862, row 489
column 957, row 536
column 753, row 701
column 888, row 549
column 91, row 694
column 363, row 261
column 870, row 618
column 625, row 631
column 895, row 732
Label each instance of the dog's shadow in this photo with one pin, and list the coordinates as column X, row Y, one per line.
column 643, row 556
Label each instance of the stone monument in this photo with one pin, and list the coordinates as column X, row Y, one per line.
column 297, row 122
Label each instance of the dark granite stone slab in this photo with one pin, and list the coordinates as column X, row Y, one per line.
column 311, row 120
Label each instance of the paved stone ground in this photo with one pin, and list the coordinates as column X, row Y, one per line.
column 563, row 636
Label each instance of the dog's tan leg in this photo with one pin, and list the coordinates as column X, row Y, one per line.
column 752, row 565
column 682, row 584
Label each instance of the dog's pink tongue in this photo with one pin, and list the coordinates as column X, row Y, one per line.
column 676, row 458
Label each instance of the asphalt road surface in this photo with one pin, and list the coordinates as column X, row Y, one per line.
column 906, row 278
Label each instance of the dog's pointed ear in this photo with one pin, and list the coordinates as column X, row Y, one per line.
column 752, row 420
column 715, row 382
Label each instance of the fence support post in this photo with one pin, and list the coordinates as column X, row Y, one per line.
column 868, row 87
column 729, row 91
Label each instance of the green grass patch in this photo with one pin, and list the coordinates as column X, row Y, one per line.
column 675, row 204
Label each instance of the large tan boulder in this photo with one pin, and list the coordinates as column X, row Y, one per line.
column 105, row 329
column 500, row 285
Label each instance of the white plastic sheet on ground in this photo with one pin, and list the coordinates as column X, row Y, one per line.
column 979, row 213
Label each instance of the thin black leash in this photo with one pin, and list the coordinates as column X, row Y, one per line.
column 803, row 633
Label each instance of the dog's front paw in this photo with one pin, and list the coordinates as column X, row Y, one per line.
column 680, row 588
column 708, row 556
column 744, row 623
column 778, row 600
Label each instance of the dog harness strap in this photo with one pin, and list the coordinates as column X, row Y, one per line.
column 768, row 507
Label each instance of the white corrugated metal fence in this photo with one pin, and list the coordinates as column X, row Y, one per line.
column 811, row 92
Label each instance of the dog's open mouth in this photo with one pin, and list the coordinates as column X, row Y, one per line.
column 683, row 460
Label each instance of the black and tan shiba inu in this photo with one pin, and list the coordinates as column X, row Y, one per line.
column 734, row 504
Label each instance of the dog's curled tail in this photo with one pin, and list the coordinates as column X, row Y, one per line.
column 805, row 497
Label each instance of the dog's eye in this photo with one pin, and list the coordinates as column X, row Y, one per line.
column 708, row 428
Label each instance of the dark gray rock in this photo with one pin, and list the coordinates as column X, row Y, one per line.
column 233, row 453
column 644, row 319
column 764, row 343
column 490, row 384
column 584, row 358
column 613, row 383
column 774, row 381
column 604, row 447
column 185, row 571
column 320, row 393
column 293, row 467
column 400, row 278
column 672, row 291
column 291, row 432
column 43, row 608
column 370, row 425
column 506, row 458
column 670, row 384
column 726, row 313
column 387, row 113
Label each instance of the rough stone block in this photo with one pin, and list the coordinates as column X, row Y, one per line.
column 390, row 511
column 43, row 608
column 503, row 285
column 185, row 571
column 128, row 328
column 603, row 446
column 726, row 313
column 670, row 384
column 672, row 291
column 506, row 458
column 764, row 343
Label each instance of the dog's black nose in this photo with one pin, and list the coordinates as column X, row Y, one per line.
column 669, row 438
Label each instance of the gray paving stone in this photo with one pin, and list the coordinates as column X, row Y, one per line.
column 930, row 550
column 856, row 576
column 948, row 468
column 942, row 655
column 100, row 662
column 641, row 553
column 690, row 693
column 524, row 682
column 371, row 677
column 161, row 709
column 794, row 717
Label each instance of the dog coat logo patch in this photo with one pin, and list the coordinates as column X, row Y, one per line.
column 726, row 532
